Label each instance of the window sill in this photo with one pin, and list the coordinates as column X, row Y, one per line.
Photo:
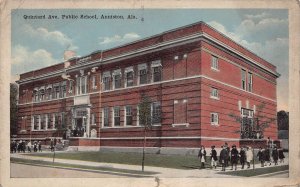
column 214, row 69
column 180, row 124
column 214, row 124
column 216, row 98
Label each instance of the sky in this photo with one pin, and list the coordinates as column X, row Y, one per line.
column 37, row 43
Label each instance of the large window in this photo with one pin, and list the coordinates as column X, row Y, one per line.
column 49, row 92
column 93, row 119
column 243, row 79
column 42, row 93
column 55, row 120
column 214, row 63
column 94, row 83
column 81, row 85
column 117, row 79
column 116, row 116
column 214, row 118
column 155, row 113
column 56, row 91
column 129, row 74
column 250, row 82
column 106, row 116
column 106, row 80
column 142, row 73
column 64, row 89
column 128, row 114
column 48, row 121
column 36, row 122
column 43, row 122
column 35, row 95
column 156, row 71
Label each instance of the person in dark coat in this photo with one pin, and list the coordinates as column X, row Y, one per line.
column 261, row 156
column 242, row 157
column 228, row 155
column 281, row 155
column 275, row 155
column 213, row 157
column 35, row 146
column 52, row 145
column 267, row 156
column 40, row 146
column 202, row 156
column 223, row 157
column 234, row 154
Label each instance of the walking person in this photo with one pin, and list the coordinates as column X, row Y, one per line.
column 261, row 156
column 275, row 155
column 202, row 156
column 223, row 157
column 267, row 156
column 242, row 157
column 213, row 157
column 52, row 145
column 249, row 156
column 40, row 146
column 281, row 155
column 228, row 154
column 234, row 154
column 35, row 146
column 29, row 146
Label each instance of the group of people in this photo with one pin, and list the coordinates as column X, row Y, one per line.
column 22, row 145
column 244, row 156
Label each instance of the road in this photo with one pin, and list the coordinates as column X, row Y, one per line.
column 22, row 171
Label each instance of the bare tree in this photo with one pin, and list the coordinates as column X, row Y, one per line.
column 145, row 120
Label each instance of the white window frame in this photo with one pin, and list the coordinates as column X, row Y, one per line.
column 115, row 73
column 243, row 79
column 140, row 68
column 214, row 63
column 94, row 83
column 103, row 117
column 250, row 82
column 125, row 116
column 129, row 70
column 115, row 116
column 214, row 118
column 152, row 104
column 106, row 76
column 93, row 119
column 214, row 93
column 80, row 85
column 156, row 64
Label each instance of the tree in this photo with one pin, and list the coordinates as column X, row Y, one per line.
column 257, row 124
column 283, row 120
column 145, row 120
column 13, row 108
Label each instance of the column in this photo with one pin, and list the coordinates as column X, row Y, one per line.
column 88, row 116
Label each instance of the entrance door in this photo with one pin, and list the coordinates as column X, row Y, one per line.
column 79, row 130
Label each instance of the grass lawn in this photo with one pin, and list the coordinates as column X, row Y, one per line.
column 123, row 172
column 158, row 160
column 256, row 171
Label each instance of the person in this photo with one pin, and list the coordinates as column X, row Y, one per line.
column 281, row 155
column 242, row 157
column 228, row 155
column 234, row 157
column 213, row 157
column 267, row 156
column 40, row 146
column 29, row 146
column 202, row 156
column 275, row 155
column 261, row 156
column 223, row 157
column 35, row 146
column 14, row 147
column 249, row 156
column 23, row 146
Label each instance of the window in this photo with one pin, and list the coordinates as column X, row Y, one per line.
column 117, row 79
column 116, row 116
column 70, row 86
column 93, row 119
column 56, row 91
column 94, row 85
column 156, row 71
column 214, row 118
column 106, row 116
column 106, row 80
column 55, row 120
column 81, row 85
column 128, row 114
column 180, row 111
column 247, row 113
column 155, row 113
column 48, row 92
column 48, row 121
column 37, row 121
column 250, row 82
column 64, row 88
column 63, row 120
column 142, row 73
column 129, row 77
column 243, row 79
column 35, row 95
column 43, row 122
column 42, row 93
column 214, row 63
column 214, row 93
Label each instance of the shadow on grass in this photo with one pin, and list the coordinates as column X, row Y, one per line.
column 256, row 172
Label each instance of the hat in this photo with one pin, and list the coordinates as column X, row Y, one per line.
column 233, row 146
column 213, row 146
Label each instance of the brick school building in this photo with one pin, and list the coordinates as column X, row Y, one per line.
column 205, row 89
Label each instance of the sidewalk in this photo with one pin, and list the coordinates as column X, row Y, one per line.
column 161, row 172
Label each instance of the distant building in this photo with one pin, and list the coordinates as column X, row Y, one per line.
column 194, row 75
